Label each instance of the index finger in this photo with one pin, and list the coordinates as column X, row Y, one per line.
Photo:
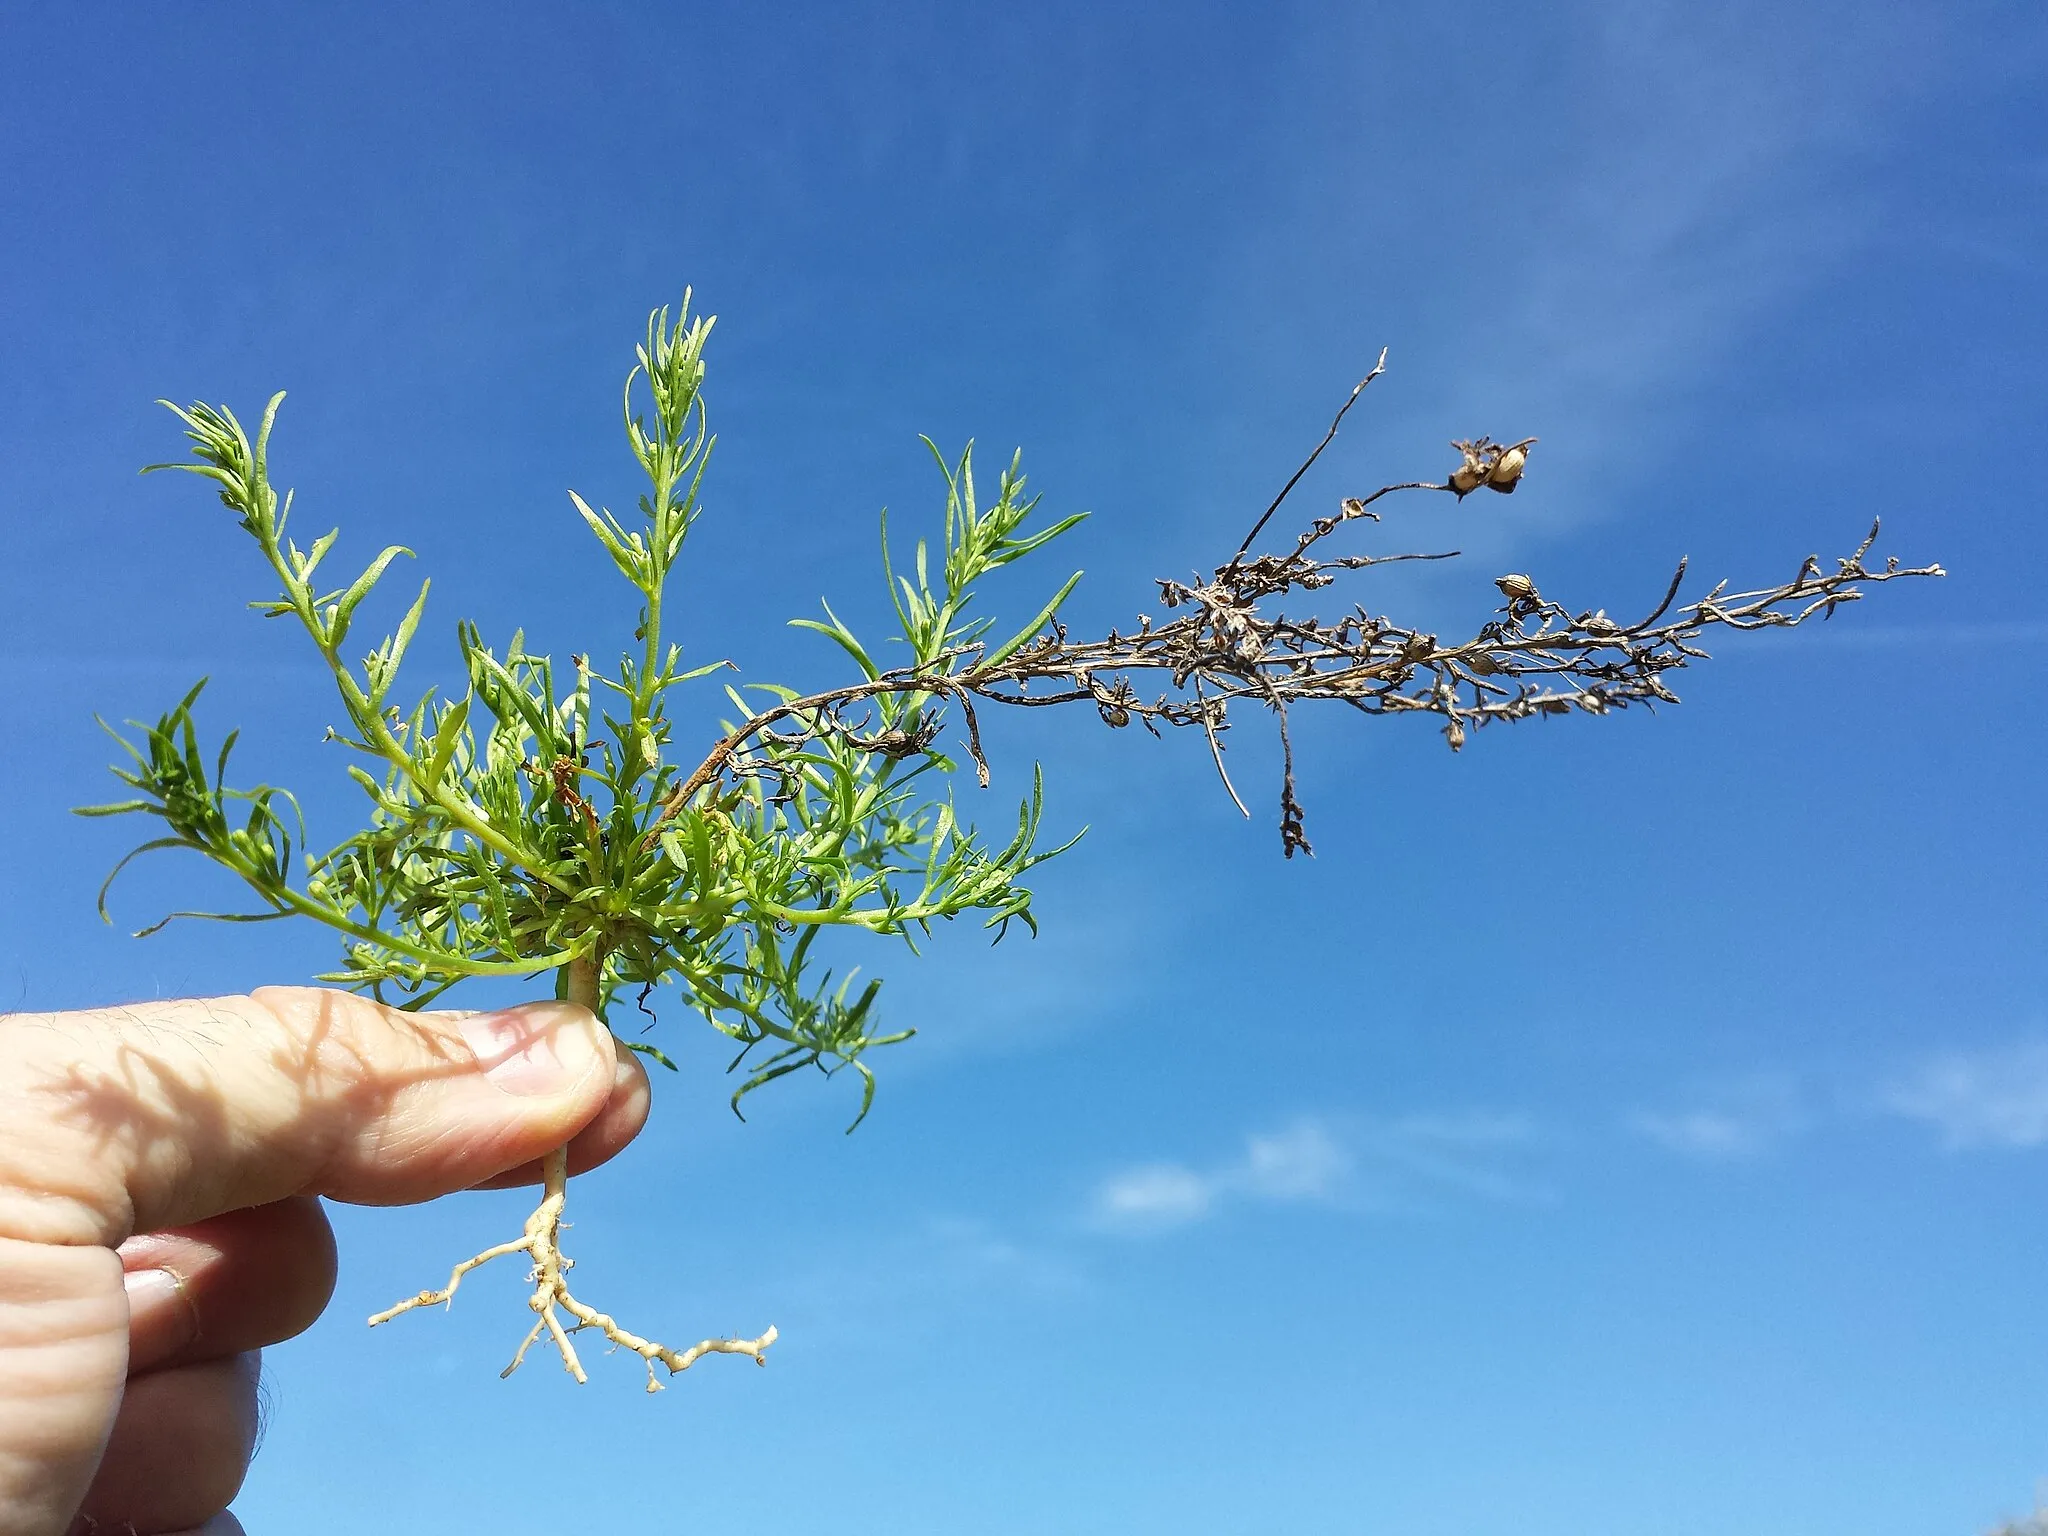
column 157, row 1115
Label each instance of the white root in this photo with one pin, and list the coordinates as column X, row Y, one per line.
column 551, row 1297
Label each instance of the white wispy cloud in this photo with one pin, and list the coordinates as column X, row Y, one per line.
column 1377, row 1165
column 1154, row 1195
column 1417, row 1157
column 1302, row 1162
column 1738, row 1121
column 1704, row 1133
column 1985, row 1098
column 1971, row 1097
column 923, row 1275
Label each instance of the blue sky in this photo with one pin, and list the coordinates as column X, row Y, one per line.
column 1631, row 1124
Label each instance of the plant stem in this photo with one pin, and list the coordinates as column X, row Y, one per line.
column 580, row 985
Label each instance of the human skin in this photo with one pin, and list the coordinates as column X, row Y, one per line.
column 161, row 1172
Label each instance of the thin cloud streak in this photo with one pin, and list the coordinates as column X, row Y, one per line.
column 1703, row 1133
column 1991, row 1098
column 1155, row 1195
column 1741, row 1121
column 1972, row 1097
column 1382, row 1165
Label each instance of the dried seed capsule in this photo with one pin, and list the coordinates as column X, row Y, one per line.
column 1516, row 589
column 1507, row 470
column 1472, row 473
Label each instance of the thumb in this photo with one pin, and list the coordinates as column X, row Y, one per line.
column 159, row 1115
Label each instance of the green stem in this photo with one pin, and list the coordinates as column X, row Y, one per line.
column 581, row 984
column 656, row 547
column 460, row 810
column 441, row 960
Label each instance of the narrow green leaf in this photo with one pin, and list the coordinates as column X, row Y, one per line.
column 100, row 901
column 1004, row 651
column 346, row 605
column 406, row 627
column 649, row 1050
column 843, row 638
column 213, row 917
column 1018, row 548
column 446, row 736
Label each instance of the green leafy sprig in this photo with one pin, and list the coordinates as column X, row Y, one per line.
column 536, row 820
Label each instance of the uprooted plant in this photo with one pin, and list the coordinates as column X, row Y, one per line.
column 544, row 823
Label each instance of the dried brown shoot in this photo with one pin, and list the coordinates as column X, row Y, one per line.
column 1226, row 643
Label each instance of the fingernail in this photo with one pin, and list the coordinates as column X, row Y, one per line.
column 532, row 1050
column 160, row 1314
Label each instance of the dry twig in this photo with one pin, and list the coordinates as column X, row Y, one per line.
column 1223, row 642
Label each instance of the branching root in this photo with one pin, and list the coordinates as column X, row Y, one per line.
column 551, row 1298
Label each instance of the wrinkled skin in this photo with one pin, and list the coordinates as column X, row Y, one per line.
column 161, row 1172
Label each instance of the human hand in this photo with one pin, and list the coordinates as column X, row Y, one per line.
column 160, row 1168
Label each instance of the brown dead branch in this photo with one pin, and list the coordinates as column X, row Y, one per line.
column 1224, row 642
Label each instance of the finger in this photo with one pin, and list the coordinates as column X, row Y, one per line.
column 220, row 1287
column 63, row 1355
column 624, row 1113
column 158, row 1115
column 161, row 1115
column 180, row 1448
column 222, row 1524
